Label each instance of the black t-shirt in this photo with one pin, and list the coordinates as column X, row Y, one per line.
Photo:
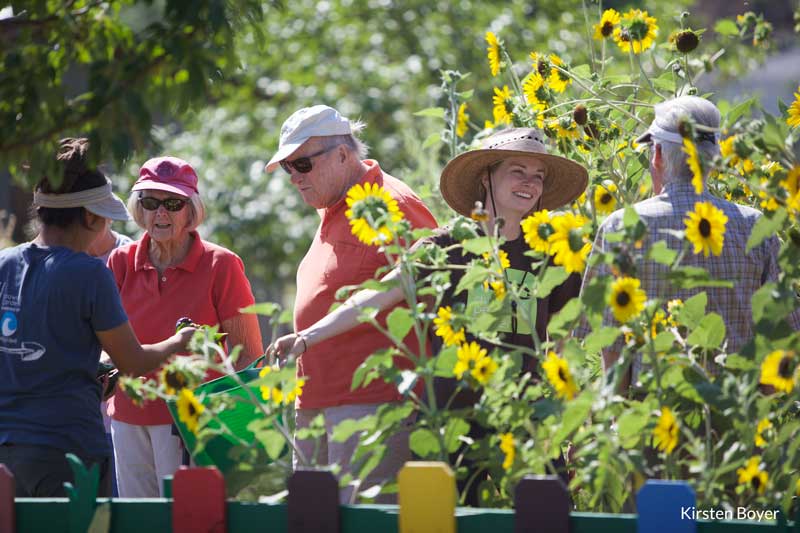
column 512, row 330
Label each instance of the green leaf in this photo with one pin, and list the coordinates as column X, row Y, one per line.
column 693, row 310
column 737, row 362
column 690, row 277
column 661, row 253
column 266, row 309
column 399, row 322
column 453, row 430
column 445, row 362
column 272, row 441
column 478, row 245
column 764, row 227
column 475, row 274
column 726, row 27
column 601, row 338
column 564, row 318
column 738, row 110
column 663, row 341
column 709, row 333
column 631, row 424
column 348, row 427
column 435, row 112
column 553, row 277
column 466, row 95
column 574, row 415
column 630, row 217
column 431, row 140
column 423, row 443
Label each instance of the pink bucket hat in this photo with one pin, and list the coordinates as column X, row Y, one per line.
column 169, row 174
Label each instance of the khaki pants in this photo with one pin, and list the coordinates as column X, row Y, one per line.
column 341, row 453
column 143, row 455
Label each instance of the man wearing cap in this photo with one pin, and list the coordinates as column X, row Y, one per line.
column 171, row 273
column 513, row 175
column 319, row 149
column 58, row 308
column 676, row 196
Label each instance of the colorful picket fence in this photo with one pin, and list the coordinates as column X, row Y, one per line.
column 427, row 500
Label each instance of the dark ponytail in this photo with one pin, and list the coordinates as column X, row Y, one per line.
column 76, row 177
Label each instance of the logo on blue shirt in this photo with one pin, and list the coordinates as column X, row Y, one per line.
column 8, row 324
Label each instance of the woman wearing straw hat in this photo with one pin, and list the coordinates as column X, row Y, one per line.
column 513, row 176
column 59, row 308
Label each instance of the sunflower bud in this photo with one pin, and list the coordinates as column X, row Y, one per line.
column 580, row 115
column 543, row 68
column 479, row 214
column 686, row 41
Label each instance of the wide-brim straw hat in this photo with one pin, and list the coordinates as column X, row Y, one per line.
column 461, row 186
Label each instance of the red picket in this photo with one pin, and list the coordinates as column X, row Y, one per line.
column 198, row 501
column 8, row 489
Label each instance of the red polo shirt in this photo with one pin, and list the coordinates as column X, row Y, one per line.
column 209, row 286
column 336, row 258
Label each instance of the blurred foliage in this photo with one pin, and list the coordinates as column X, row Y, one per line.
column 220, row 78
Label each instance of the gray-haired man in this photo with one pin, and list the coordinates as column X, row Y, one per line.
column 675, row 196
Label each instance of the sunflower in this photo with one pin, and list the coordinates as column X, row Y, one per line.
column 792, row 186
column 797, row 488
column 499, row 288
column 627, row 299
column 753, row 476
column 727, row 149
column 493, row 52
column 763, row 426
column 502, row 255
column 372, row 211
column 508, row 447
column 297, row 390
column 461, row 120
column 560, row 377
column 444, row 327
column 705, row 228
column 485, row 367
column 636, row 31
column 794, row 111
column 503, row 106
column 535, row 93
column 568, row 243
column 779, row 369
column 567, row 129
column 695, row 165
column 604, row 201
column 537, row 229
column 273, row 394
column 189, row 409
column 605, row 28
column 557, row 80
column 468, row 355
column 173, row 380
column 665, row 434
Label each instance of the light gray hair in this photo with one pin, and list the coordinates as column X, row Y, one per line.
column 196, row 205
column 352, row 142
column 669, row 116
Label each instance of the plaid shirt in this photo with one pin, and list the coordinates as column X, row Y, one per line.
column 748, row 272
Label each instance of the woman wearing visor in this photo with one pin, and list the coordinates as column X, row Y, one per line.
column 168, row 274
column 58, row 308
column 513, row 176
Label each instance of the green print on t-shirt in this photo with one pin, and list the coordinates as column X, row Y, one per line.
column 479, row 298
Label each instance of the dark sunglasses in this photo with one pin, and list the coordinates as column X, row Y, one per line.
column 303, row 164
column 170, row 204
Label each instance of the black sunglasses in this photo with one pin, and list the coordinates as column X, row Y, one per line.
column 303, row 164
column 170, row 204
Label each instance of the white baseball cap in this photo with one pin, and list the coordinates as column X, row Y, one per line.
column 315, row 121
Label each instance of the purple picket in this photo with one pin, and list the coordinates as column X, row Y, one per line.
column 541, row 503
column 666, row 507
column 8, row 490
column 318, row 489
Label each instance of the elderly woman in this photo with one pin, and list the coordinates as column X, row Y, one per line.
column 513, row 175
column 59, row 307
column 168, row 274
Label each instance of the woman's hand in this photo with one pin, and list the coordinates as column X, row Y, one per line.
column 291, row 345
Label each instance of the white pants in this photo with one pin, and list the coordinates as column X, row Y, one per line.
column 143, row 455
column 341, row 453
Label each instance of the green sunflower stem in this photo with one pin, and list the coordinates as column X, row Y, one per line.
column 588, row 28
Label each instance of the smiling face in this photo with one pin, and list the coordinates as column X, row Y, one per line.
column 517, row 183
column 165, row 226
column 326, row 183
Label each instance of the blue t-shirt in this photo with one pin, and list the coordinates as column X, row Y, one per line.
column 52, row 300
